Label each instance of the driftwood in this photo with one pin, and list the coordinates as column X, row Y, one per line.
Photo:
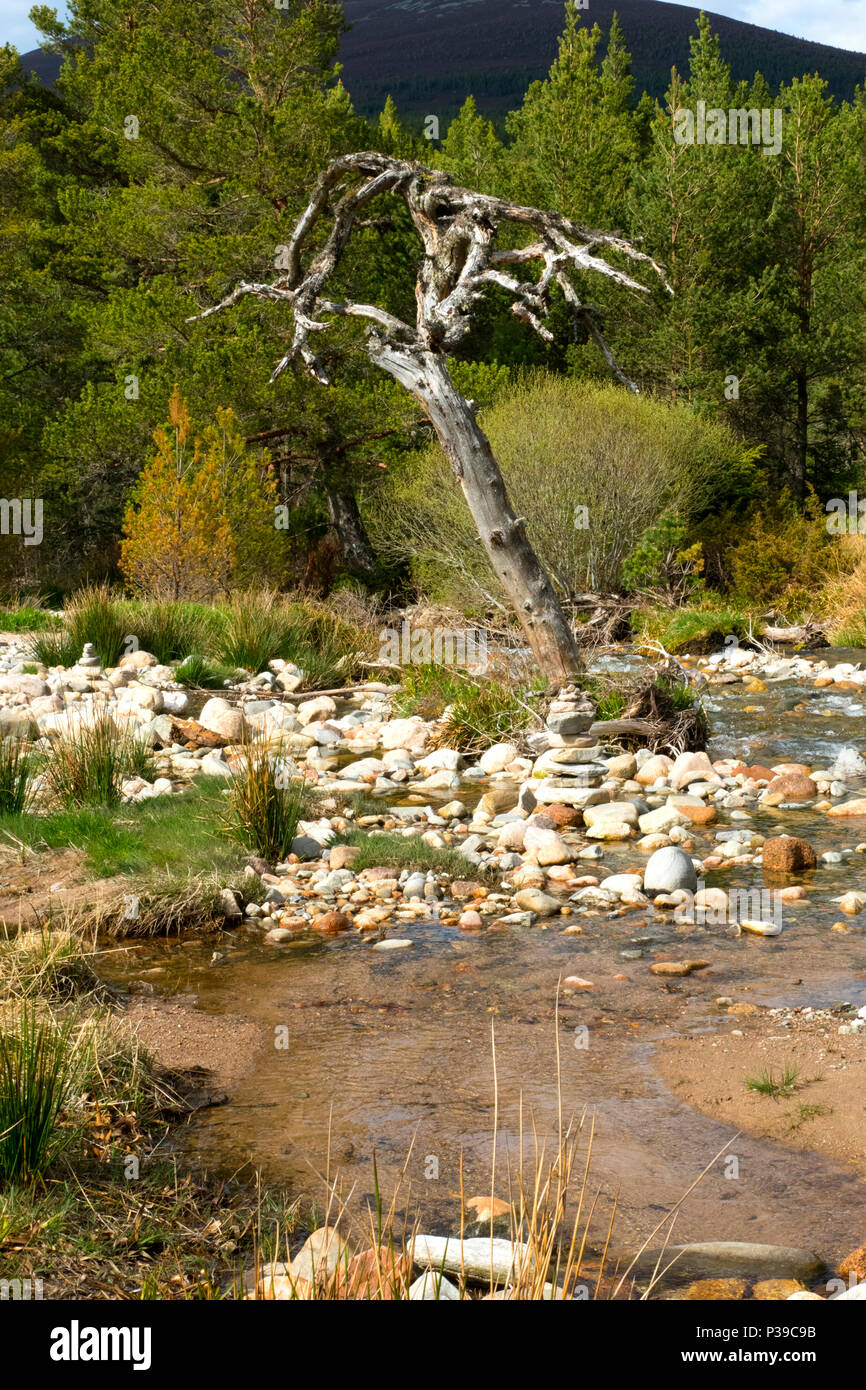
column 803, row 632
column 461, row 262
column 623, row 728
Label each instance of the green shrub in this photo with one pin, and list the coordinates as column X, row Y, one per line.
column 662, row 561
column 782, row 556
column 589, row 467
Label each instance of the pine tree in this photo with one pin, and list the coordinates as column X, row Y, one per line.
column 177, row 538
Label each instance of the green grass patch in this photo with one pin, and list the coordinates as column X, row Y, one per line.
column 693, row 628
column 168, row 835
column 202, row 671
column 390, row 851
column 28, row 620
column 852, row 633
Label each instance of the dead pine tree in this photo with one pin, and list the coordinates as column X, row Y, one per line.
column 458, row 229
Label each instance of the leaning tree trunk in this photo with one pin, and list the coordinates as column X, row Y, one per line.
column 502, row 534
column 458, row 228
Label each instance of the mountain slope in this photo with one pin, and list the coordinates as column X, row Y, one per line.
column 430, row 54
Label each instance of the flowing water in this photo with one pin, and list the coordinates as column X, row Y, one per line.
column 392, row 1053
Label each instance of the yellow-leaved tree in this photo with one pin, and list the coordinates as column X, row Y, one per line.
column 201, row 521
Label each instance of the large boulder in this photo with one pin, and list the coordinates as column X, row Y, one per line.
column 219, row 717
column 790, row 786
column 669, row 869
column 659, row 765
column 30, row 686
column 317, row 710
column 623, row 811
column 692, row 767
column 137, row 661
column 546, row 846
column 497, row 758
column 661, row 819
column 786, row 854
column 412, row 734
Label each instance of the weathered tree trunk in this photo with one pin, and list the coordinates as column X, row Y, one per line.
column 502, row 534
column 358, row 554
column 458, row 229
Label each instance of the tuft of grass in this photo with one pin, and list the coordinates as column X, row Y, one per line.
column 17, row 770
column 767, row 1083
column 201, row 671
column 387, row 850
column 804, row 1113
column 265, row 802
column 39, row 1064
column 57, row 648
column 89, row 763
column 253, row 632
column 682, row 696
column 97, row 615
column 171, row 631
column 48, row 964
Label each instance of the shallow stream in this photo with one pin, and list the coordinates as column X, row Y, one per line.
column 392, row 1053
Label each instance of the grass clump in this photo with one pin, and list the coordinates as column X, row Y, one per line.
column 474, row 713
column 253, row 631
column 48, row 964
column 89, row 763
column 39, row 1065
column 201, row 671
column 767, row 1083
column 171, row 631
column 17, row 770
column 96, row 615
column 266, row 801
column 57, row 648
